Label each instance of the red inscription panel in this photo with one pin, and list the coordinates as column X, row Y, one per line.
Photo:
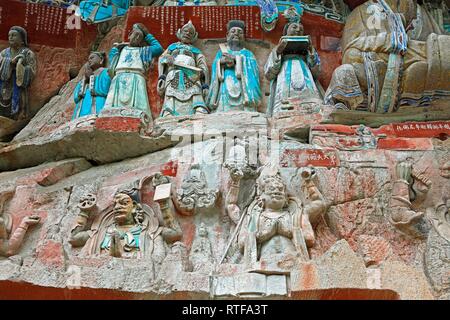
column 46, row 25
column 304, row 157
column 435, row 129
column 210, row 21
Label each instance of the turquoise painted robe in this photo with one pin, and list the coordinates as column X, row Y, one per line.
column 129, row 85
column 94, row 11
column 236, row 88
column 90, row 97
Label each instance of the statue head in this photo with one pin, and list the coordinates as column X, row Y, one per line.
column 293, row 29
column 17, row 37
column 97, row 60
column 136, row 36
column 187, row 34
column 125, row 207
column 236, row 33
column 272, row 191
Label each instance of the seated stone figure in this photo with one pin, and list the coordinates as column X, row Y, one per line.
column 385, row 53
column 183, row 76
column 10, row 241
column 292, row 74
column 277, row 227
column 90, row 93
column 235, row 75
column 129, row 230
column 129, row 63
column 17, row 70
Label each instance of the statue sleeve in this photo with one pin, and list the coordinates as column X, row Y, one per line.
column 154, row 48
column 250, row 80
column 273, row 66
column 103, row 83
column 77, row 93
column 5, row 65
column 201, row 63
column 27, row 70
column 215, row 83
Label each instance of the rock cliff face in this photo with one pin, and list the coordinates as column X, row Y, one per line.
column 365, row 213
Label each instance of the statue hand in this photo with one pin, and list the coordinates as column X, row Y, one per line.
column 143, row 29
column 160, row 87
column 228, row 60
column 403, row 170
column 205, row 93
column 170, row 60
column 236, row 174
column 17, row 58
column 88, row 72
column 281, row 46
column 31, row 220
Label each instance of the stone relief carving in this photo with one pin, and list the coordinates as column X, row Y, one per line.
column 11, row 240
column 194, row 194
column 408, row 187
column 276, row 228
column 201, row 255
column 126, row 229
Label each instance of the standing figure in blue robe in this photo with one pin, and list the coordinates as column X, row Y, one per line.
column 129, row 64
column 18, row 68
column 90, row 93
column 292, row 75
column 235, row 76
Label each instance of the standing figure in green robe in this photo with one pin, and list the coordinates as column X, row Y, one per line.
column 129, row 65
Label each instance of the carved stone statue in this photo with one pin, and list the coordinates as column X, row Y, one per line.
column 129, row 63
column 183, row 76
column 292, row 72
column 194, row 193
column 277, row 227
column 128, row 230
column 383, row 57
column 90, row 93
column 408, row 187
column 10, row 241
column 17, row 70
column 201, row 256
column 235, row 75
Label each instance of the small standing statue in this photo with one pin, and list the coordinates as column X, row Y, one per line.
column 129, row 65
column 183, row 76
column 235, row 75
column 90, row 93
column 17, row 70
column 292, row 67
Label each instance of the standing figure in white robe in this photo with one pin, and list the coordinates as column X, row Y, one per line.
column 292, row 75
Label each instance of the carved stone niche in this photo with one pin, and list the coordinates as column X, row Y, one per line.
column 194, row 196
